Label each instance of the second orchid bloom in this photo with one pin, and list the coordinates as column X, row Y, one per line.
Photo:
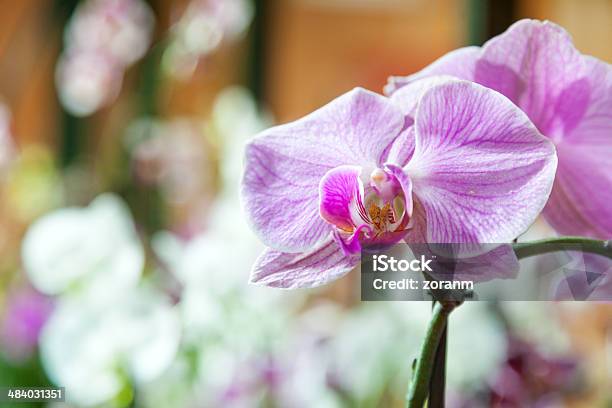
column 444, row 161
column 567, row 95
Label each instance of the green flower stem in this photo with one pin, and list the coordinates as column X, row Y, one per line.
column 593, row 246
column 419, row 387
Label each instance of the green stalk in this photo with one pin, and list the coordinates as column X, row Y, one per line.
column 419, row 387
column 593, row 246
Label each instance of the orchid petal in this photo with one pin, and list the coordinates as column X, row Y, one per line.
column 480, row 168
column 402, row 148
column 339, row 191
column 580, row 201
column 458, row 63
column 586, row 107
column 350, row 245
column 531, row 64
column 407, row 98
column 285, row 164
column 325, row 263
column 536, row 66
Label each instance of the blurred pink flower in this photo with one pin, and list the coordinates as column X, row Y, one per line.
column 527, row 378
column 122, row 28
column 87, row 81
column 7, row 148
column 530, row 378
column 103, row 38
column 175, row 156
column 24, row 316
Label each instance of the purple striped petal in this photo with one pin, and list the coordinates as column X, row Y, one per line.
column 533, row 64
column 480, row 168
column 285, row 164
column 407, row 98
column 325, row 263
column 585, row 108
column 402, row 148
column 580, row 201
column 581, row 197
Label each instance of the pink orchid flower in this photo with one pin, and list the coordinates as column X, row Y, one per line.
column 453, row 162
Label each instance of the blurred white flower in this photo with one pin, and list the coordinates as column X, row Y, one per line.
column 202, row 28
column 375, row 336
column 208, row 260
column 536, row 323
column 92, row 251
column 214, row 269
column 334, row 357
column 97, row 351
column 230, row 326
column 87, row 81
column 173, row 388
column 384, row 338
column 210, row 257
column 122, row 28
column 102, row 39
column 477, row 345
column 177, row 155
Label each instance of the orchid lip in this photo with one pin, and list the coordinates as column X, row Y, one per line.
column 363, row 212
